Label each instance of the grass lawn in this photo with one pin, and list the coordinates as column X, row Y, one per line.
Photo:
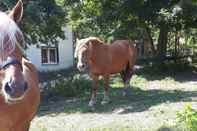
column 153, row 100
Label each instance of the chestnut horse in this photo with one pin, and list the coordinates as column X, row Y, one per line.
column 103, row 60
column 20, row 95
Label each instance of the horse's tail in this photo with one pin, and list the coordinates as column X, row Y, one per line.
column 132, row 54
column 127, row 72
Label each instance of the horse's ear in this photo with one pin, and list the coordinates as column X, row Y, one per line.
column 77, row 40
column 17, row 12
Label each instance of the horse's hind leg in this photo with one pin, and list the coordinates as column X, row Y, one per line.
column 106, row 99
column 126, row 87
column 126, row 76
column 92, row 101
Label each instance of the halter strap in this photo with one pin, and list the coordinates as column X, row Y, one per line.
column 10, row 61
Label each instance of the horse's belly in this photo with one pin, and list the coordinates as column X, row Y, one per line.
column 107, row 70
column 117, row 66
column 115, row 70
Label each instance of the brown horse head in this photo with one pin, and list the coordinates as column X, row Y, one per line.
column 13, row 84
column 83, row 51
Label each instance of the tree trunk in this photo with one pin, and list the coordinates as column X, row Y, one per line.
column 176, row 44
column 151, row 40
column 162, row 42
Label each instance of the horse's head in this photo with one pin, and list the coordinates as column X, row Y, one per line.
column 83, row 51
column 13, row 84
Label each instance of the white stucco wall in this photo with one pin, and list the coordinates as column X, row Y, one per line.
column 65, row 54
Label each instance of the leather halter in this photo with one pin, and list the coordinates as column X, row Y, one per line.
column 10, row 61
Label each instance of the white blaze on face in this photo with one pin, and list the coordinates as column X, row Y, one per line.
column 8, row 98
column 78, row 52
column 80, row 63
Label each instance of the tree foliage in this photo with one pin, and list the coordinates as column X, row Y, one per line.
column 117, row 19
column 42, row 21
column 110, row 20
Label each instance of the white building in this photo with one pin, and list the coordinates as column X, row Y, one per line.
column 52, row 58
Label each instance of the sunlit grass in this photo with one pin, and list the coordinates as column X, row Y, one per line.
column 138, row 81
column 153, row 101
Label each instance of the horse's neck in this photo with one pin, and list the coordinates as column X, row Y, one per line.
column 99, row 49
column 28, row 65
column 100, row 54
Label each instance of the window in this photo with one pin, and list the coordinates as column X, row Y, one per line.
column 49, row 55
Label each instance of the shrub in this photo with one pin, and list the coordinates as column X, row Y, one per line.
column 71, row 86
column 188, row 116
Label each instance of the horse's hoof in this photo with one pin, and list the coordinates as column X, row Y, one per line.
column 92, row 104
column 104, row 102
column 125, row 92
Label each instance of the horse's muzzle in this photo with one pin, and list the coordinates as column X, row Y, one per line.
column 14, row 90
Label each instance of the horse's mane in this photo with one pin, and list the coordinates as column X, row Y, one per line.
column 84, row 41
column 10, row 35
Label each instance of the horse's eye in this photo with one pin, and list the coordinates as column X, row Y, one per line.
column 83, row 54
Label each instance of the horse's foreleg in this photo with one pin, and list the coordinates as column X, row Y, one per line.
column 106, row 99
column 94, row 91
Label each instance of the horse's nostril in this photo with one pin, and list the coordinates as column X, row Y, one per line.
column 25, row 86
column 8, row 88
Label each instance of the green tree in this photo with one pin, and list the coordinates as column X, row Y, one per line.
column 115, row 19
column 42, row 21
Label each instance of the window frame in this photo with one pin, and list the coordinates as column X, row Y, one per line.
column 49, row 62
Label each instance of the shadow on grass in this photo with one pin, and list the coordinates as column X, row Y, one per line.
column 172, row 128
column 178, row 71
column 137, row 101
column 165, row 129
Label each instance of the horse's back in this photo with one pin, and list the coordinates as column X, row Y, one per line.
column 131, row 51
column 111, row 59
column 125, row 50
column 122, row 45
